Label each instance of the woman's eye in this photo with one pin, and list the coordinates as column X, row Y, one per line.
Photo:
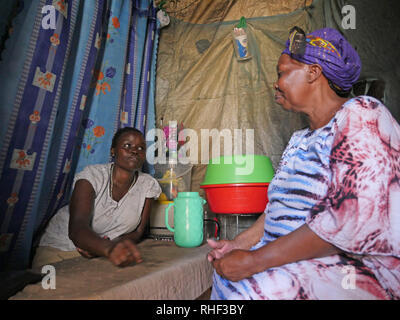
column 129, row 146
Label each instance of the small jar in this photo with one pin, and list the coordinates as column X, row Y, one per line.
column 240, row 43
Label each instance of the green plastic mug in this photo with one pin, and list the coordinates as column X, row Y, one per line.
column 188, row 219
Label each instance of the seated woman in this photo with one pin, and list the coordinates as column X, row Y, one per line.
column 331, row 229
column 109, row 208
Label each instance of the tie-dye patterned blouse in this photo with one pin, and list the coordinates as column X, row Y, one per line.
column 343, row 180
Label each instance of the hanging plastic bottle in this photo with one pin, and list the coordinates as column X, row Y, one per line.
column 240, row 40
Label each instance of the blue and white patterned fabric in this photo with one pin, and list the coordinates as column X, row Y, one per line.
column 61, row 94
column 343, row 181
column 300, row 180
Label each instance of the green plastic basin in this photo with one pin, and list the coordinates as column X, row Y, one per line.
column 239, row 169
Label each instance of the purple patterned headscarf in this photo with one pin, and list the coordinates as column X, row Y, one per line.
column 327, row 47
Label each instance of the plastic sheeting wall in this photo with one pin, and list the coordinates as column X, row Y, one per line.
column 201, row 84
column 209, row 11
column 376, row 37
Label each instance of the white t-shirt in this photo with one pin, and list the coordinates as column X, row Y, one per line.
column 110, row 218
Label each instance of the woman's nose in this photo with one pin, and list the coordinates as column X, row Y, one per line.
column 275, row 85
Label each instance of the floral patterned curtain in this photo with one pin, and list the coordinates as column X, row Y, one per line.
column 64, row 72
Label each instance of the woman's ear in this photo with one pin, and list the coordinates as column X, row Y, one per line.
column 314, row 72
column 112, row 152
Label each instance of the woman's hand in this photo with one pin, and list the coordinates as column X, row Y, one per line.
column 235, row 265
column 123, row 253
column 230, row 262
column 220, row 248
column 300, row 244
column 244, row 240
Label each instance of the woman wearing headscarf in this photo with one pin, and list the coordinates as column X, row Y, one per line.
column 331, row 229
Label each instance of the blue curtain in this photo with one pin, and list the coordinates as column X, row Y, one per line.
column 64, row 91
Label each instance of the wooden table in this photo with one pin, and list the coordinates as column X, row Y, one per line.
column 167, row 272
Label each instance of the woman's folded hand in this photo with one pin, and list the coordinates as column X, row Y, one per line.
column 220, row 248
column 235, row 265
